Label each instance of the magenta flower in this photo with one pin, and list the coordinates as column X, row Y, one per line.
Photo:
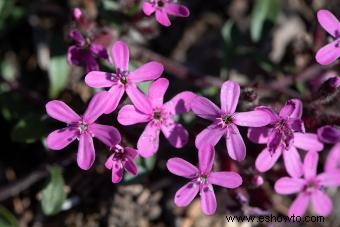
column 311, row 188
column 120, row 159
column 331, row 134
column 225, row 120
column 159, row 116
column 123, row 80
column 163, row 8
column 284, row 135
column 85, row 52
column 201, row 180
column 81, row 127
column 329, row 53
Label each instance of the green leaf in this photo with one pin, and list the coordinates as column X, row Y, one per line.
column 144, row 86
column 264, row 10
column 58, row 74
column 7, row 219
column 53, row 196
column 29, row 129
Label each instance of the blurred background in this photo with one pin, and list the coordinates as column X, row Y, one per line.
column 268, row 46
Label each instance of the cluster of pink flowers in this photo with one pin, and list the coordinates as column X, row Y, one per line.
column 282, row 133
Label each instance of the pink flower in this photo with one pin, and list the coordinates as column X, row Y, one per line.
column 329, row 53
column 283, row 136
column 121, row 158
column 159, row 116
column 85, row 52
column 201, row 180
column 331, row 134
column 164, row 7
column 310, row 188
column 123, row 80
column 225, row 120
column 81, row 127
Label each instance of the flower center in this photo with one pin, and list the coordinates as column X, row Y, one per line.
column 122, row 76
column 83, row 127
column 157, row 115
column 225, row 120
column 118, row 152
column 311, row 186
column 202, row 179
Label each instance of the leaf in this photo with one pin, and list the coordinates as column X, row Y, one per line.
column 29, row 129
column 53, row 196
column 144, row 86
column 7, row 219
column 58, row 73
column 264, row 10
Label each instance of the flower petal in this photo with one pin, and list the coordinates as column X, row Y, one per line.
column 139, row 99
column 181, row 103
column 98, row 79
column 130, row 166
column 208, row 200
column 265, row 161
column 211, row 135
column 235, row 144
column 120, row 55
column 299, row 206
column 206, row 155
column 157, row 90
column 230, row 93
column 60, row 138
column 204, row 108
column 162, row 18
column 115, row 94
column 75, row 55
column 176, row 10
column 90, row 62
column 321, row 202
column 328, row 53
column 117, row 171
column 108, row 135
column 329, row 134
column 307, row 141
column 96, row 107
column 149, row 71
column 109, row 162
column 225, row 179
column 259, row 135
column 77, row 37
column 175, row 133
column 292, row 109
column 98, row 50
column 329, row 22
column 252, row 118
column 329, row 178
column 310, row 164
column 130, row 152
column 86, row 152
column 333, row 158
column 148, row 142
column 182, row 168
column 288, row 185
column 61, row 112
column 148, row 8
column 293, row 163
column 186, row 194
column 129, row 115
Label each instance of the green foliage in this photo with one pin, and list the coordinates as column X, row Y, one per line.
column 144, row 167
column 53, row 196
column 29, row 129
column 263, row 11
column 9, row 13
column 7, row 219
column 58, row 74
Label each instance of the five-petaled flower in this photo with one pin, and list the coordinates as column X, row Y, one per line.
column 164, row 7
column 123, row 80
column 283, row 135
column 85, row 51
column 81, row 127
column 310, row 188
column 201, row 180
column 120, row 159
column 331, row 134
column 159, row 116
column 329, row 53
column 225, row 120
